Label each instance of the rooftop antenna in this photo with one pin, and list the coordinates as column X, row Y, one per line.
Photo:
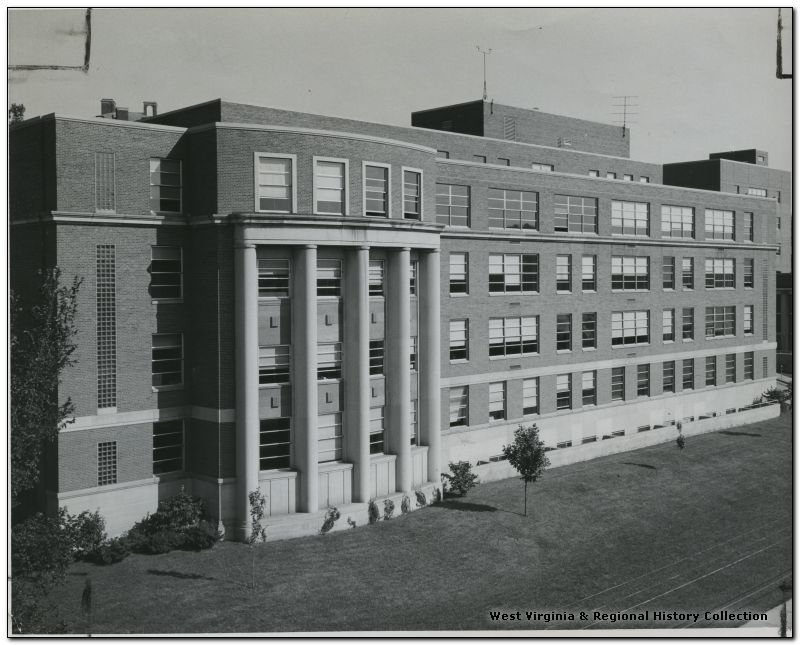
column 625, row 104
column 488, row 51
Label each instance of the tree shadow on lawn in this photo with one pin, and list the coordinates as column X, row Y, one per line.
column 457, row 505
column 178, row 574
column 631, row 463
column 731, row 433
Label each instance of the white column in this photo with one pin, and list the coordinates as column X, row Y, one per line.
column 397, row 366
column 247, row 417
column 356, row 370
column 304, row 381
column 430, row 398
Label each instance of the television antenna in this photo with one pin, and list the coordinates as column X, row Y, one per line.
column 625, row 107
column 485, row 53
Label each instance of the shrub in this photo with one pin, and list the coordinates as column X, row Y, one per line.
column 176, row 514
column 113, row 551
column 421, row 499
column 405, row 505
column 681, row 441
column 437, row 496
column 87, row 533
column 388, row 509
column 330, row 519
column 162, row 541
column 460, row 478
column 373, row 512
column 200, row 537
column 41, row 550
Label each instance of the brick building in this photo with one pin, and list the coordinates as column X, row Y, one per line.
column 332, row 310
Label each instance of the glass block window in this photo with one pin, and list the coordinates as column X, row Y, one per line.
column 668, row 272
column 668, row 379
column 542, row 167
column 720, row 273
column 530, row 396
column 497, row 401
column 730, row 368
column 749, row 326
column 329, row 437
column 167, row 359
column 687, row 273
column 517, row 209
column 687, row 323
column 376, row 191
column 589, row 330
column 564, row 392
column 329, row 278
column 563, row 273
column 273, row 278
column 617, row 383
column 166, row 272
column 630, row 273
column 643, row 380
column 711, row 371
column 749, row 273
column 513, row 336
column 589, row 388
column 688, row 374
column 458, row 273
column 513, row 273
column 329, row 361
column 459, row 404
column 719, row 224
column 677, row 221
column 749, row 371
column 720, row 322
column 412, row 194
column 330, row 185
column 668, row 325
column 575, row 214
column 275, row 442
column 630, row 328
column 376, row 356
column 459, row 340
column 564, row 332
column 630, row 218
column 104, row 182
column 452, row 205
column 273, row 364
column 376, row 278
column 275, row 179
column 106, row 463
column 589, row 273
column 106, row 322
column 168, row 441
column 376, row 430
column 165, row 185
column 748, row 227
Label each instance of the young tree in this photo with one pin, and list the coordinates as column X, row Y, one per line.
column 16, row 113
column 527, row 455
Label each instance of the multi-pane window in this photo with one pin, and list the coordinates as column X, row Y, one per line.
column 376, row 353
column 376, row 191
column 687, row 323
column 711, row 371
column 564, row 332
column 165, row 185
column 749, row 326
column 412, row 354
column 589, row 273
column 668, row 379
column 513, row 336
column 749, row 371
column 543, row 167
column 459, row 403
column 167, row 359
column 376, row 277
column 589, row 388
column 575, row 214
column 497, row 401
column 748, row 227
column 329, row 437
column 273, row 278
column 530, row 396
column 688, row 374
column 749, row 273
column 564, row 392
column 720, row 273
column 413, row 422
column 730, row 368
column 563, row 273
column 668, row 325
column 630, row 218
column 329, row 277
column 329, row 361
column 517, row 209
column 512, row 273
column 412, row 277
column 757, row 192
column 330, row 182
column 458, row 273
column 412, row 194
column 167, row 446
column 106, row 325
column 275, row 441
column 106, row 463
column 166, row 272
column 720, row 321
column 273, row 364
column 630, row 273
column 687, row 273
column 104, row 181
column 677, row 221
column 719, row 225
column 643, row 380
column 589, row 330
column 630, row 327
column 617, row 383
column 274, row 184
column 668, row 272
column 376, row 430
column 459, row 340
column 452, row 204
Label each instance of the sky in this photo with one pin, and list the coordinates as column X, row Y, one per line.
column 703, row 79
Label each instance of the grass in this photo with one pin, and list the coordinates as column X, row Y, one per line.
column 608, row 533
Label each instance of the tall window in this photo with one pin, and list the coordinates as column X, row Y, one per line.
column 589, row 388
column 329, row 361
column 330, row 187
column 165, row 185
column 166, row 272
column 564, row 392
column 630, row 328
column 167, row 360
column 273, row 278
column 106, row 463
column 630, row 218
column 575, row 214
column 687, row 273
column 412, row 194
column 589, row 330
column 563, row 273
column 720, row 273
column 677, row 221
column 711, row 371
column 688, row 374
column 459, row 404
column 275, row 442
column 376, row 277
column 749, row 273
column 517, row 209
column 719, row 225
column 749, row 327
column 329, row 437
column 167, row 446
column 668, row 272
column 748, row 227
column 376, row 354
column 329, row 277
column 589, row 273
column 730, row 368
column 376, row 430
column 668, row 325
column 630, row 273
column 530, row 396
column 497, row 401
column 452, row 205
column 412, row 354
column 617, row 383
column 513, row 336
column 458, row 273
column 749, row 371
column 643, row 380
column 687, row 323
column 720, row 322
column 564, row 332
column 412, row 277
column 668, row 376
column 273, row 364
column 104, row 181
column 512, row 273
column 413, row 422
column 275, row 183
column 106, row 325
column 376, row 190
column 459, row 340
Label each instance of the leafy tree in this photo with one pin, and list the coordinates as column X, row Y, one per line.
column 16, row 113
column 778, row 395
column 460, row 478
column 527, row 455
column 41, row 347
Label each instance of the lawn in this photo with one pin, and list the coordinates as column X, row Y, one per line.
column 659, row 528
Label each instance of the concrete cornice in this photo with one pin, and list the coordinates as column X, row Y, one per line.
column 115, row 123
column 104, row 219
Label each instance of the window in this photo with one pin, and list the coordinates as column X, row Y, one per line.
column 643, row 380
column 668, row 273
column 376, row 190
column 749, row 371
column 106, row 325
column 167, row 360
column 644, row 180
column 730, row 368
column 564, row 332
column 630, row 273
column 711, row 371
column 677, row 221
column 275, row 440
column 668, row 382
column 413, row 422
column 452, row 205
column 564, row 392
column 589, row 273
column 719, row 225
column 589, row 388
column 617, row 383
column 720, row 273
column 275, row 181
column 668, row 325
column 760, row 158
column 375, row 357
column 748, row 227
column 611, row 175
column 444, row 154
column 106, row 463
column 757, row 192
column 687, row 273
column 749, row 327
column 594, row 173
column 376, row 430
column 412, row 277
column 575, row 214
column 687, row 320
column 329, row 437
column 627, row 177
column 165, row 185
column 544, row 167
column 530, row 396
column 167, row 446
column 376, row 278
column 513, row 209
column 330, row 187
column 459, row 337
column 765, row 366
column 459, row 403
column 412, row 194
column 630, row 328
column 630, row 218
column 166, row 272
column 273, row 278
column 458, row 273
column 720, row 322
column 497, row 401
column 513, row 336
column 479, row 158
column 589, row 331
column 688, row 374
column 104, row 181
column 329, row 278
column 273, row 364
column 749, row 271
column 329, row 361
column 504, row 161
column 412, row 354
column 563, row 273
column 511, row 273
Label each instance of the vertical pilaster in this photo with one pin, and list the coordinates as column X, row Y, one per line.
column 430, row 419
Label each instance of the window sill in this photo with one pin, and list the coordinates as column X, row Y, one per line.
column 563, row 293
column 266, row 386
column 563, row 351
column 589, row 349
column 456, row 361
column 167, row 213
column 512, row 294
column 166, row 388
column 687, row 340
column 330, row 214
column 630, row 291
column 459, row 295
column 629, row 346
column 167, row 301
column 720, row 288
column 669, row 342
column 500, row 358
column 632, row 235
column 275, row 212
column 720, row 337
column 589, row 291
column 328, row 381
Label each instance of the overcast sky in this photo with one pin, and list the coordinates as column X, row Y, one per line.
column 704, row 78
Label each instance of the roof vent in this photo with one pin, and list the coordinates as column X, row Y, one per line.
column 107, row 107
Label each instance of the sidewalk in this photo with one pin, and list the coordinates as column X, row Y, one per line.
column 774, row 620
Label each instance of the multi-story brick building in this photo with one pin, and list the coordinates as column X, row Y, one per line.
column 331, row 310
